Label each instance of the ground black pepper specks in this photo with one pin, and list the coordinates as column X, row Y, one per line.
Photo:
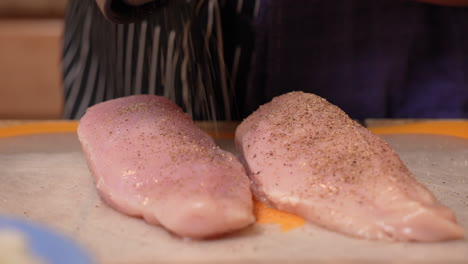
column 317, row 162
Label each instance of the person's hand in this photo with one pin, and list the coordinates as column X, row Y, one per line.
column 137, row 2
column 128, row 11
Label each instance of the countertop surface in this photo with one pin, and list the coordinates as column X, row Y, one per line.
column 45, row 179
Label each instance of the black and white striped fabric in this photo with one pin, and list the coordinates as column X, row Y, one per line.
column 198, row 53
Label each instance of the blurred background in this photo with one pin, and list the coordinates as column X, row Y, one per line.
column 433, row 42
column 30, row 47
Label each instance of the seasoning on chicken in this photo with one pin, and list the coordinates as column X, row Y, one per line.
column 306, row 156
column 149, row 159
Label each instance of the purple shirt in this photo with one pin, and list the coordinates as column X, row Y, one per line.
column 385, row 58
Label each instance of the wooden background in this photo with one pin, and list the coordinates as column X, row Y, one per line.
column 30, row 47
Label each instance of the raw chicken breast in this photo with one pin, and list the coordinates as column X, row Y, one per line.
column 149, row 159
column 306, row 156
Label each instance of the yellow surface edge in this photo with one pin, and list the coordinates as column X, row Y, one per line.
column 448, row 128
column 39, row 128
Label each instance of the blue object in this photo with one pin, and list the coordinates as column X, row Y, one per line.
column 49, row 246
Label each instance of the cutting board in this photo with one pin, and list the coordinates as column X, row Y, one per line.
column 44, row 178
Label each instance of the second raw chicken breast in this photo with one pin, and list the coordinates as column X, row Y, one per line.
column 306, row 156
